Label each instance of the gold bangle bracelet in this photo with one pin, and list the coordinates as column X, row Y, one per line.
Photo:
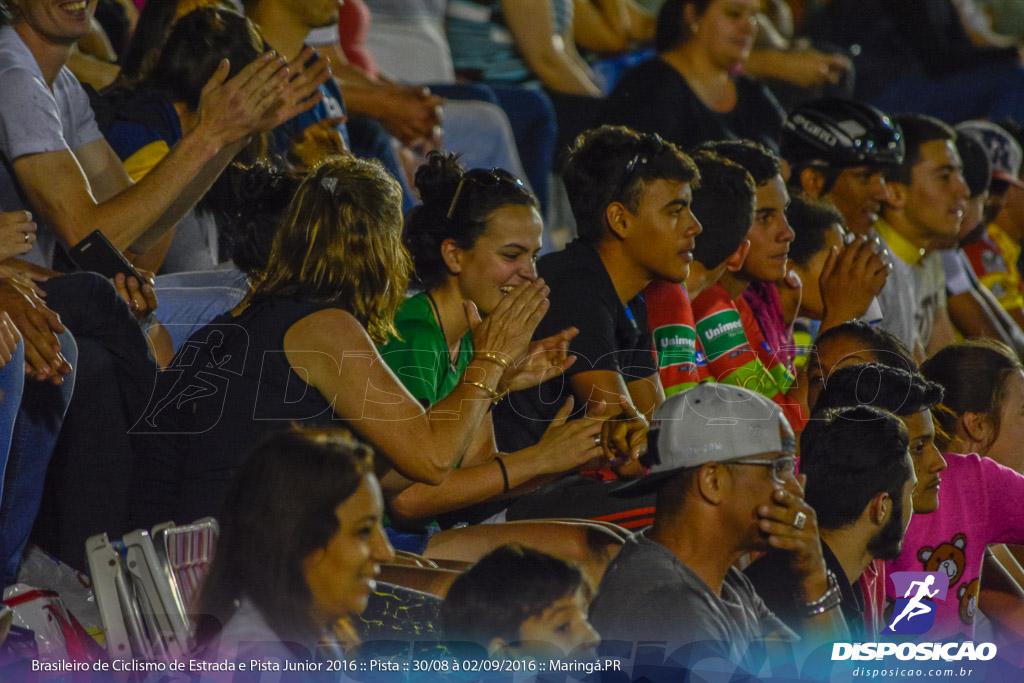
column 495, row 396
column 493, row 357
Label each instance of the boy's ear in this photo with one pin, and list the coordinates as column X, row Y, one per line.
column 896, row 194
column 615, row 216
column 735, row 262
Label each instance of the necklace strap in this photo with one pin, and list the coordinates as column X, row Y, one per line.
column 440, row 325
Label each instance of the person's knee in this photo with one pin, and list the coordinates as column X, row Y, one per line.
column 467, row 91
column 87, row 285
column 96, row 365
column 89, row 305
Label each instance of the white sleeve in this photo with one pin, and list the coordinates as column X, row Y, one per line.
column 957, row 279
column 325, row 35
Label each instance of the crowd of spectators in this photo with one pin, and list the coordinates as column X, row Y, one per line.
column 777, row 361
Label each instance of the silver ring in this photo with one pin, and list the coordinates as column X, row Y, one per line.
column 26, row 238
column 800, row 520
column 597, row 439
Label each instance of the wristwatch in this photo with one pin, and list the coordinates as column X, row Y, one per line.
column 830, row 600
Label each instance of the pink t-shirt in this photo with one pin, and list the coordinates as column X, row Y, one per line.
column 979, row 504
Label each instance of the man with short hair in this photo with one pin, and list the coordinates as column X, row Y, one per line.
column 724, row 204
column 630, row 195
column 927, row 198
column 727, row 329
column 860, row 482
column 722, row 461
column 973, row 308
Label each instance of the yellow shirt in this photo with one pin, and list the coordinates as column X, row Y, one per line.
column 995, row 263
column 142, row 162
column 899, row 245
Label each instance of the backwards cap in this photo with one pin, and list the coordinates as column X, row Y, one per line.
column 1004, row 153
column 710, row 423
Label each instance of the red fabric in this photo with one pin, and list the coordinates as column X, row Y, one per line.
column 353, row 27
column 670, row 319
column 742, row 357
column 872, row 585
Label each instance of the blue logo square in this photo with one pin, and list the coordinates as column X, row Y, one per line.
column 914, row 610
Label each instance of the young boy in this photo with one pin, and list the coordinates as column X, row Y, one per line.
column 519, row 602
column 724, row 204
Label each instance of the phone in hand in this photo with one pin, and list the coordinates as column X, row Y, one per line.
column 96, row 254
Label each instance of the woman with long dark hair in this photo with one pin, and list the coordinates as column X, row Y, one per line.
column 475, row 238
column 300, row 545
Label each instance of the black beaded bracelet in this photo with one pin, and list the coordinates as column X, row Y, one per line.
column 504, row 472
column 830, row 600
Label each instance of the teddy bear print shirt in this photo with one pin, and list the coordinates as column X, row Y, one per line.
column 979, row 504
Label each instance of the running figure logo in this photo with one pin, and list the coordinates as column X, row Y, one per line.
column 914, row 613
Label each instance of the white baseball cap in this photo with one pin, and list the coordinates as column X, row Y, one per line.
column 1004, row 152
column 710, row 423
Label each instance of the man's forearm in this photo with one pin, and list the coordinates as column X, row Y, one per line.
column 122, row 210
column 192, row 192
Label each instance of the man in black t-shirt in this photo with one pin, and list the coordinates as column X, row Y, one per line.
column 630, row 195
column 860, row 482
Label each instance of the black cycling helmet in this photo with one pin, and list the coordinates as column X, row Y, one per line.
column 841, row 133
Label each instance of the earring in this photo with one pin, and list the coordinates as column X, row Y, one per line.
column 694, row 27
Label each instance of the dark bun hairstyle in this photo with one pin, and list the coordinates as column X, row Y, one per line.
column 462, row 218
column 248, row 202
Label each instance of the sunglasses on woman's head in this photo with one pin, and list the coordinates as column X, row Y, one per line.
column 481, row 177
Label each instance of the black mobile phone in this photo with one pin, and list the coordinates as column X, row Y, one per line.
column 96, row 254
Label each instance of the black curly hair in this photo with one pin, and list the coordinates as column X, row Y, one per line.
column 248, row 203
column 456, row 205
column 811, row 219
column 880, row 386
column 724, row 203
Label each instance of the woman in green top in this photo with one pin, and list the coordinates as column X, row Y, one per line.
column 473, row 240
